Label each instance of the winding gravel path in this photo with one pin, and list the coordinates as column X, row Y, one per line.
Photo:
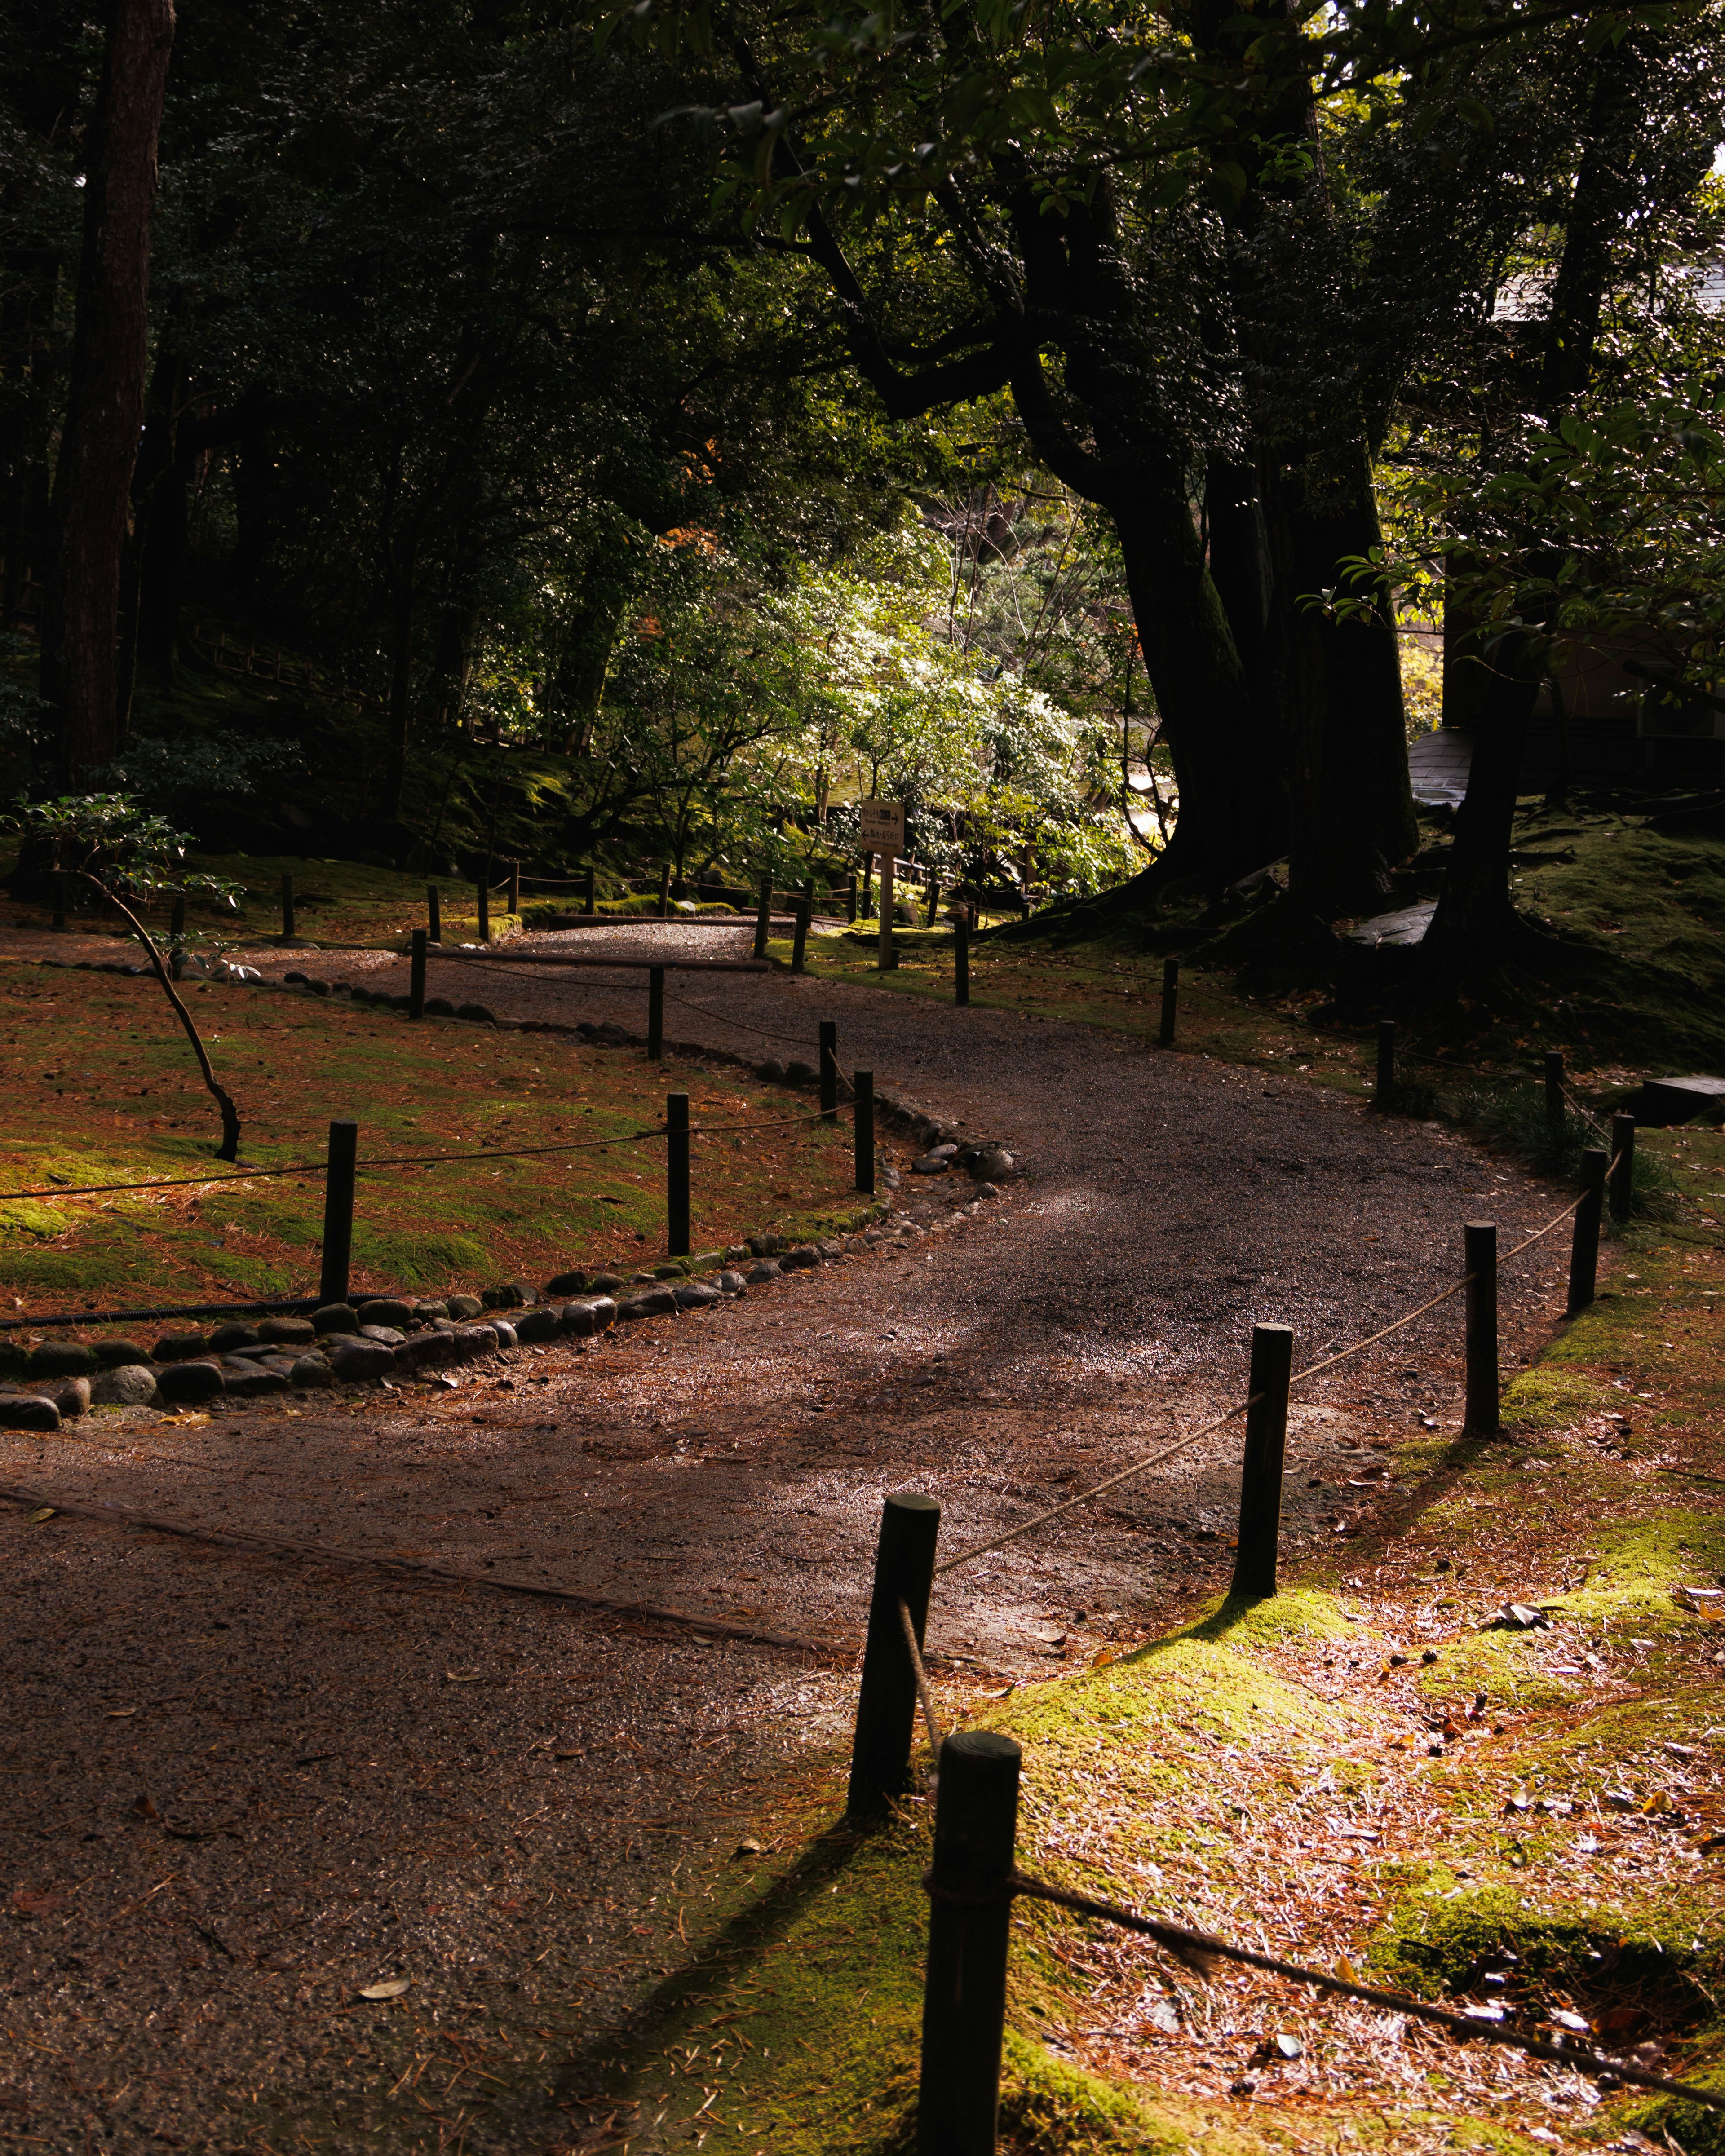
column 247, row 1787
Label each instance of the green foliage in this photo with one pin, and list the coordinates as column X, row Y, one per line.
column 124, row 849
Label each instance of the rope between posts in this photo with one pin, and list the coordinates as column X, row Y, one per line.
column 1125, row 1475
column 745, row 1025
column 1311, row 1370
column 925, row 1696
column 1196, row 1950
column 413, row 1159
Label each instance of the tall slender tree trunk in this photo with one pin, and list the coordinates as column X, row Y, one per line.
column 106, row 405
column 1476, row 917
column 401, row 694
column 29, row 281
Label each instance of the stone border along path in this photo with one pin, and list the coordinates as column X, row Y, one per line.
column 247, row 1787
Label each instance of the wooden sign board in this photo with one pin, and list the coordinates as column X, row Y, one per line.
column 883, row 827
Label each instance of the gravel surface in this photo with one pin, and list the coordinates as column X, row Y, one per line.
column 247, row 1787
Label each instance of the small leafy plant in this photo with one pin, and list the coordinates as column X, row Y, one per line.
column 134, row 858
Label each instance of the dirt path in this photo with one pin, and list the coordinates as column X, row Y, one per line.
column 248, row 1787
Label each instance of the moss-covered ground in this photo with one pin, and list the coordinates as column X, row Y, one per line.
column 1365, row 1772
column 99, row 1087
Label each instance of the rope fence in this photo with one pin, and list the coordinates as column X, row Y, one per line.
column 1199, row 1951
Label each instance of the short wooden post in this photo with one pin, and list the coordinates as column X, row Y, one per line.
column 969, row 1932
column 485, row 911
column 655, row 1013
column 1554, row 1093
column 961, row 960
column 665, row 884
column 177, row 919
column 763, row 918
column 589, row 894
column 416, row 976
column 1622, row 1173
column 799, row 941
column 287, row 909
column 829, row 1069
column 934, row 901
column 676, row 1175
column 887, row 957
column 434, row 914
column 1584, row 1248
column 1479, row 1262
column 1266, row 1440
column 338, row 1213
column 850, row 902
column 1384, row 1092
column 1170, row 1002
column 886, row 1703
column 862, row 1088
column 514, row 887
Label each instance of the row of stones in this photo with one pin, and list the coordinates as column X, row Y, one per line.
column 386, row 1338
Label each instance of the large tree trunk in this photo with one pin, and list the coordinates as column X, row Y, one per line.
column 1364, row 821
column 1231, row 819
column 106, row 406
column 1475, row 917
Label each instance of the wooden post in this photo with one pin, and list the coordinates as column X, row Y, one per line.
column 177, row 919
column 1479, row 1262
column 934, row 901
column 1266, row 1440
column 1386, row 1090
column 485, row 911
column 862, row 1086
column 287, row 909
column 338, row 1213
column 829, row 1069
column 416, row 977
column 515, row 886
column 850, row 902
column 1584, row 1248
column 1170, row 1002
column 664, row 883
column 799, row 943
column 676, row 1175
column 1554, row 1093
column 434, row 914
column 655, row 1013
column 763, row 918
column 1623, row 1168
column 589, row 894
column 886, row 1703
column 961, row 960
column 969, row 1932
column 887, row 957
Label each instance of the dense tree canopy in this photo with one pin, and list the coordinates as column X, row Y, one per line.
column 663, row 427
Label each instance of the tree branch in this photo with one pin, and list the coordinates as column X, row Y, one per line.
column 229, row 1147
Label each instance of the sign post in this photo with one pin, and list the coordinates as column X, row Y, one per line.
column 883, row 832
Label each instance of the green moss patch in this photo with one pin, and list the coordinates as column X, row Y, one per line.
column 103, row 1089
column 1548, row 1395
